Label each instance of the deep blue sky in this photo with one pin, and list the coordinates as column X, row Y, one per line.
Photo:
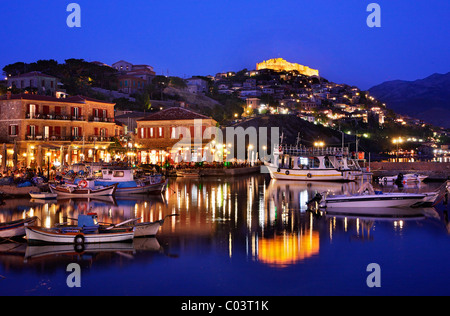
column 190, row 37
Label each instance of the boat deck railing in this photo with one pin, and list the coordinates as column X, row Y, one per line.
column 310, row 151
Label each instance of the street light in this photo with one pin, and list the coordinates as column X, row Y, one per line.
column 48, row 154
column 397, row 141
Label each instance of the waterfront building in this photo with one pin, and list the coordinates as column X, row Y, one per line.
column 37, row 129
column 157, row 139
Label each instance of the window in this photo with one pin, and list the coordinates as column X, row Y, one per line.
column 32, row 110
column 32, row 130
column 13, row 130
column 46, row 132
column 142, row 133
column 151, row 132
column 118, row 174
column 160, row 132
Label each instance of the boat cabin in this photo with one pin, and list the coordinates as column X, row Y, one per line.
column 117, row 175
column 88, row 222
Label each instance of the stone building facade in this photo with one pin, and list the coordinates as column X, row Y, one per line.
column 67, row 130
column 173, row 133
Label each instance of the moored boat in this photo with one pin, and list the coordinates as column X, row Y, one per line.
column 87, row 231
column 16, row 228
column 149, row 228
column 368, row 197
column 85, row 188
column 128, row 184
column 313, row 164
column 43, row 195
column 403, row 178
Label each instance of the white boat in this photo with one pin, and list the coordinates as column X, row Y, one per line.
column 85, row 188
column 43, row 195
column 313, row 164
column 86, row 232
column 367, row 197
column 144, row 229
column 128, row 184
column 16, row 228
column 403, row 178
column 149, row 228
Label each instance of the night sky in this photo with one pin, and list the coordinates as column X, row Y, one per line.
column 185, row 38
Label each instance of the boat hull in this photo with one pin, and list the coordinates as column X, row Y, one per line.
column 66, row 192
column 147, row 229
column 16, row 228
column 43, row 196
column 146, row 189
column 382, row 200
column 310, row 174
column 40, row 235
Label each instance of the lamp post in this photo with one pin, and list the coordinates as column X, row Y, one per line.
column 48, row 154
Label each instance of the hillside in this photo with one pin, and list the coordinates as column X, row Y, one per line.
column 427, row 99
column 291, row 125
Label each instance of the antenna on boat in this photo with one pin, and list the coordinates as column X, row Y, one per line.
column 298, row 139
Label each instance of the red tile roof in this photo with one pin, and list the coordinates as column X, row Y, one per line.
column 35, row 97
column 171, row 114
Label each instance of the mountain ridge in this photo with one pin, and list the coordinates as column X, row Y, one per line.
column 427, row 99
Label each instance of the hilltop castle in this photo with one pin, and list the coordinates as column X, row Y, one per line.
column 279, row 64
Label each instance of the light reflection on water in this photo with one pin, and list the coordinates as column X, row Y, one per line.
column 246, row 220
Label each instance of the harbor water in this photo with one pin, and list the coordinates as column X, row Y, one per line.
column 236, row 236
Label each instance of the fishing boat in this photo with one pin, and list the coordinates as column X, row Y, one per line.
column 128, row 184
column 87, row 231
column 368, row 197
column 43, row 195
column 16, row 228
column 144, row 229
column 313, row 164
column 85, row 188
column 149, row 228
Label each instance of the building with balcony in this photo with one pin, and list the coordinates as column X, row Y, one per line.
column 67, row 130
column 174, row 133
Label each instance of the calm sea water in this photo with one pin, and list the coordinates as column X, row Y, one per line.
column 236, row 237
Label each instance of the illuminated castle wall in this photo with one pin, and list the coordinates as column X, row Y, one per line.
column 279, row 64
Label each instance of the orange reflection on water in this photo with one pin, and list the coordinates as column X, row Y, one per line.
column 283, row 250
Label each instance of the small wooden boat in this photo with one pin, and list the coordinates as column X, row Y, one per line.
column 143, row 188
column 145, row 229
column 149, row 228
column 84, row 189
column 16, row 228
column 43, row 195
column 86, row 232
